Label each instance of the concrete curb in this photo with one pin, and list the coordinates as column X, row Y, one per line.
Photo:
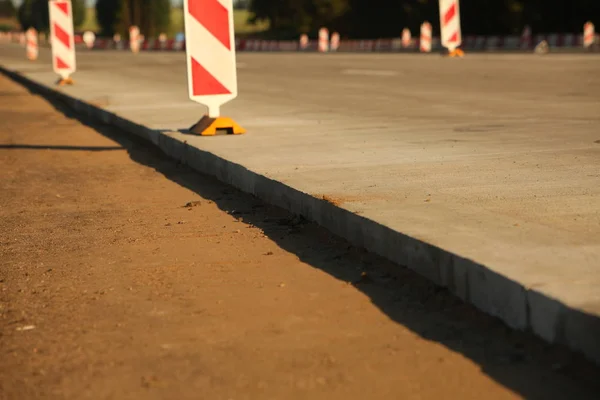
column 518, row 306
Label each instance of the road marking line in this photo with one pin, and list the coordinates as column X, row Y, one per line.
column 369, row 72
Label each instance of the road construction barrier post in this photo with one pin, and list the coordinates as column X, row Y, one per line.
column 89, row 38
column 542, row 47
column 406, row 38
column 303, row 41
column 118, row 43
column 211, row 62
column 323, row 40
column 32, row 44
column 62, row 40
column 335, row 41
column 134, row 39
column 426, row 37
column 450, row 27
column 162, row 40
column 589, row 35
column 526, row 39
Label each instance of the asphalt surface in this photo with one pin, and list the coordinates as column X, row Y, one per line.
column 491, row 157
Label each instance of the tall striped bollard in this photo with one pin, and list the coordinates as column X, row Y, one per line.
column 162, row 40
column 89, row 38
column 526, row 39
column 62, row 40
column 211, row 62
column 425, row 39
column 406, row 38
column 323, row 40
column 303, row 41
column 450, row 27
column 32, row 44
column 335, row 41
column 589, row 35
column 134, row 39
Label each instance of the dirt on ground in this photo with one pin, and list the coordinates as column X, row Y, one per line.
column 126, row 276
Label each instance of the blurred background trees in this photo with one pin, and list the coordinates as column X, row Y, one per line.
column 386, row 18
column 352, row 18
column 34, row 13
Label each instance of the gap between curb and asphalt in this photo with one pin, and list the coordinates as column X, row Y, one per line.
column 519, row 307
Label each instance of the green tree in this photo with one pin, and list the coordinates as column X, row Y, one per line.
column 151, row 16
column 34, row 13
column 7, row 9
column 298, row 16
column 386, row 18
column 107, row 16
column 79, row 11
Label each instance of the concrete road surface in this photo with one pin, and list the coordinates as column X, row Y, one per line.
column 488, row 166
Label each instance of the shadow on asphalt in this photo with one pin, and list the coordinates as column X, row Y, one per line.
column 516, row 360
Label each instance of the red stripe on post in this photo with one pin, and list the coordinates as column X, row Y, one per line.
column 454, row 37
column 451, row 13
column 62, row 35
column 214, row 17
column 60, row 64
column 64, row 7
column 203, row 83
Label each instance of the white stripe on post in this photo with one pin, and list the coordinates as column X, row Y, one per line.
column 335, row 41
column 425, row 40
column 450, row 24
column 88, row 38
column 406, row 38
column 323, row 40
column 61, row 37
column 210, row 53
column 303, row 41
column 32, row 44
column 134, row 39
column 589, row 34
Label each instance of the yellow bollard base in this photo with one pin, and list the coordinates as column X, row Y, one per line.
column 213, row 126
column 456, row 53
column 65, row 81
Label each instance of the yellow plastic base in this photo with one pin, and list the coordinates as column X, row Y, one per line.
column 212, row 126
column 67, row 81
column 456, row 53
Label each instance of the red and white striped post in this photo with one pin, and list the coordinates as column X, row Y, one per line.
column 303, row 41
column 426, row 37
column 589, row 34
column 323, row 40
column 162, row 40
column 32, row 44
column 211, row 62
column 406, row 38
column 89, row 38
column 450, row 27
column 62, row 39
column 134, row 39
column 335, row 41
column 117, row 41
column 526, row 40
